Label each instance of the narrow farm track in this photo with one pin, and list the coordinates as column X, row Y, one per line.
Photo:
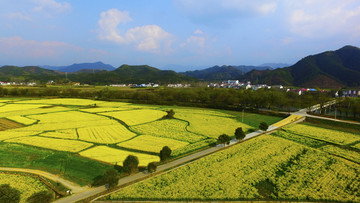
column 75, row 188
column 92, row 193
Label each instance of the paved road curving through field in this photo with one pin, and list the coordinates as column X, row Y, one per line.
column 72, row 186
column 160, row 169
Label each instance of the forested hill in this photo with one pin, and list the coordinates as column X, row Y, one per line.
column 123, row 74
column 218, row 73
column 330, row 69
column 97, row 66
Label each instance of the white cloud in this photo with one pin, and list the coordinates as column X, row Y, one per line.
column 17, row 16
column 22, row 49
column 199, row 32
column 108, row 23
column 150, row 38
column 51, row 6
column 323, row 18
column 197, row 40
column 215, row 11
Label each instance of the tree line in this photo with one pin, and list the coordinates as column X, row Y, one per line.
column 231, row 99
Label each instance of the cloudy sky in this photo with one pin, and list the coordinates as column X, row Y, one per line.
column 188, row 33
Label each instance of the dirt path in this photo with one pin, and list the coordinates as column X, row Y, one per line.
column 75, row 188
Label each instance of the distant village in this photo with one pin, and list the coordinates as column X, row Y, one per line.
column 235, row 84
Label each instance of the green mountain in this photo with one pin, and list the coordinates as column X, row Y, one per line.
column 27, row 74
column 123, row 74
column 217, row 73
column 330, row 69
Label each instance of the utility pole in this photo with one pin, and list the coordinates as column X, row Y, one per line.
column 66, row 75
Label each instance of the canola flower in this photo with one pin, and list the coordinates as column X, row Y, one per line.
column 211, row 126
column 25, row 184
column 152, row 144
column 22, row 120
column 295, row 171
column 105, row 134
column 51, row 143
column 168, row 128
column 135, row 117
column 329, row 135
column 287, row 120
column 116, row 156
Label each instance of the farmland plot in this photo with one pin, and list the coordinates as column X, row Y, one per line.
column 329, row 135
column 168, row 128
column 51, row 143
column 105, row 134
column 266, row 167
column 25, row 184
column 211, row 126
column 152, row 144
column 136, row 117
column 116, row 156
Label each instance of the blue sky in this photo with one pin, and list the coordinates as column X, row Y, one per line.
column 186, row 33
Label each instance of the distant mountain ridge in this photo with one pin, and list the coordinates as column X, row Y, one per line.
column 81, row 66
column 123, row 74
column 224, row 72
column 330, row 69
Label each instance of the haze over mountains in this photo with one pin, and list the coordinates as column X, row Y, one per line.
column 81, row 67
column 330, row 69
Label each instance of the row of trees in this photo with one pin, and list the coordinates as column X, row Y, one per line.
column 239, row 134
column 203, row 97
column 130, row 166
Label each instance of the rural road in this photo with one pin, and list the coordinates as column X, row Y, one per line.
column 160, row 169
column 73, row 186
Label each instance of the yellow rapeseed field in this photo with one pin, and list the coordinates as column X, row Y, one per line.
column 25, row 184
column 14, row 133
column 51, row 143
column 104, row 109
column 67, row 134
column 266, row 167
column 330, row 135
column 152, row 144
column 211, row 126
column 168, row 128
column 105, row 134
column 136, row 117
column 22, row 120
column 116, row 156
column 17, row 107
column 287, row 120
column 62, row 101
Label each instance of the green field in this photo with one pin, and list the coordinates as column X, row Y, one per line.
column 282, row 166
column 77, row 131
